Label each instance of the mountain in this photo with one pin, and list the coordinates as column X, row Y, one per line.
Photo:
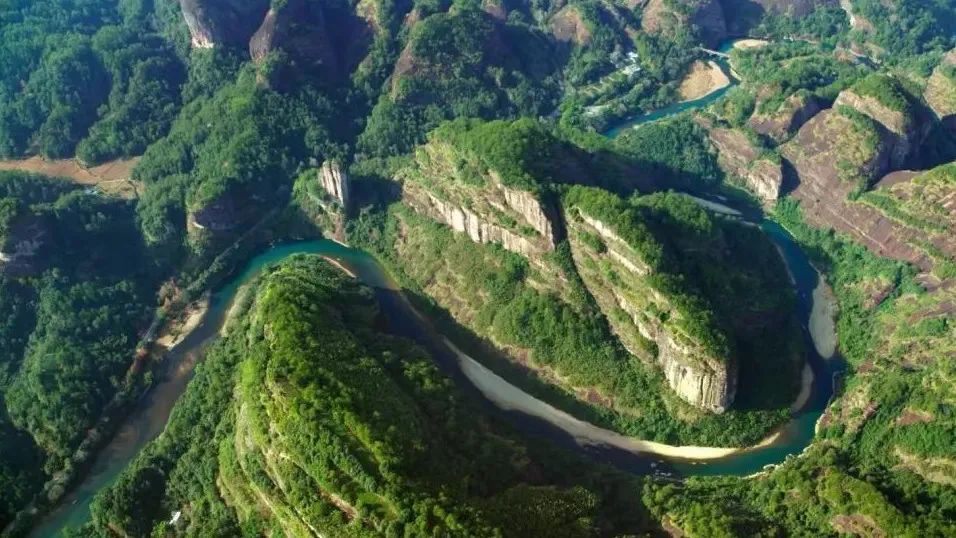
column 535, row 181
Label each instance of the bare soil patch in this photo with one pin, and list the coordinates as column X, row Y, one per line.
column 112, row 178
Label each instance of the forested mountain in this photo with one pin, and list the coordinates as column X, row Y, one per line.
column 460, row 142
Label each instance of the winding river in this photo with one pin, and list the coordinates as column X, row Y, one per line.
column 495, row 394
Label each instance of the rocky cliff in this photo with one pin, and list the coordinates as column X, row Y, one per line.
column 644, row 317
column 831, row 157
column 740, row 158
column 437, row 185
column 742, row 15
column 335, row 182
column 223, row 22
column 792, row 114
column 220, row 215
column 300, row 28
column 940, row 93
column 904, row 130
column 24, row 236
column 706, row 17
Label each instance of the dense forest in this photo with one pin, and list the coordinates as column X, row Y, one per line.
column 460, row 142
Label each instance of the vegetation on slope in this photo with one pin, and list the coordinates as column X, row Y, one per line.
column 883, row 466
column 70, row 322
column 320, row 422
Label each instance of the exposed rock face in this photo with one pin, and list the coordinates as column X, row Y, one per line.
column 940, row 92
column 482, row 229
column 219, row 216
column 743, row 14
column 707, row 16
column 739, row 157
column 644, row 319
column 299, row 28
column 24, row 239
column 335, row 182
column 567, row 25
column 484, row 208
column 823, row 151
column 222, row 22
column 794, row 112
column 905, row 132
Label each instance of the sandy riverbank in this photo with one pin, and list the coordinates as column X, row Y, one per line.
column 806, row 388
column 338, row 265
column 703, row 79
column 173, row 332
column 750, row 43
column 508, row 397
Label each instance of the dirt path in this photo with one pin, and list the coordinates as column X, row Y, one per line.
column 111, row 178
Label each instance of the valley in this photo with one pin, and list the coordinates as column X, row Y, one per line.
column 467, row 268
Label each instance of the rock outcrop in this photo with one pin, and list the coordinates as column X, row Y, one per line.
column 24, row 238
column 706, row 17
column 481, row 206
column 335, row 182
column 741, row 158
column 299, row 28
column 905, row 131
column 643, row 318
column 742, row 15
column 940, row 93
column 780, row 125
column 221, row 215
column 485, row 228
column 223, row 22
column 830, row 156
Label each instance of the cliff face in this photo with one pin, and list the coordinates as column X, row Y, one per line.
column 221, row 215
column 904, row 131
column 484, row 209
column 335, row 182
column 827, row 150
column 300, row 29
column 223, row 22
column 26, row 235
column 940, row 93
column 740, row 158
column 795, row 111
column 667, row 16
column 643, row 318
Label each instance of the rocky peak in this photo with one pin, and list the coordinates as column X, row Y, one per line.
column 894, row 111
column 299, row 28
column 335, row 182
column 645, row 319
column 222, row 22
column 667, row 16
column 739, row 157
